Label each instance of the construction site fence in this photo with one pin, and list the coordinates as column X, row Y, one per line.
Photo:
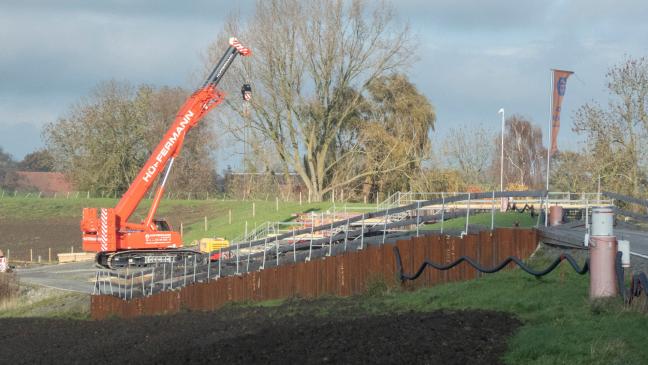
column 395, row 199
column 348, row 273
column 173, row 195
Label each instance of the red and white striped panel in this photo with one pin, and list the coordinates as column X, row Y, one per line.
column 103, row 230
column 244, row 51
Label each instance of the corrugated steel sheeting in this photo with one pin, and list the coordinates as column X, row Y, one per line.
column 343, row 275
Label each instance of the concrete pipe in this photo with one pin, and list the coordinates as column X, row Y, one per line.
column 555, row 215
column 603, row 251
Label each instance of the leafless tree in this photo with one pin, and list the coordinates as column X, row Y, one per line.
column 105, row 139
column 524, row 154
column 468, row 149
column 312, row 64
column 617, row 135
column 570, row 171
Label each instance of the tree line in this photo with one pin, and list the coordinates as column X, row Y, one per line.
column 37, row 161
column 333, row 105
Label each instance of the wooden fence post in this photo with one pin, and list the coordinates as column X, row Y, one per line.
column 230, row 216
column 205, row 223
column 31, row 255
column 49, row 255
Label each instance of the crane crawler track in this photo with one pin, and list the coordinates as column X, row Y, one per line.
column 146, row 258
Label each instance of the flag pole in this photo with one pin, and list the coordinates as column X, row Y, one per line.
column 551, row 86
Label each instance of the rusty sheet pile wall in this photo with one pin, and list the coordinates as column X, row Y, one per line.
column 342, row 275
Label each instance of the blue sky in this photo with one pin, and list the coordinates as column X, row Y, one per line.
column 473, row 57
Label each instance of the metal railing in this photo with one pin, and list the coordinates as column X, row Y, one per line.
column 296, row 244
column 288, row 242
column 399, row 199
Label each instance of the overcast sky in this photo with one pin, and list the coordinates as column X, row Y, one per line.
column 474, row 57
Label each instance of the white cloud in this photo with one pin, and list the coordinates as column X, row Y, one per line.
column 475, row 57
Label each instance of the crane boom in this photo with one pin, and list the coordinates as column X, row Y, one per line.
column 111, row 232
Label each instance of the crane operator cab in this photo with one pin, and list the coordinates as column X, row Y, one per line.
column 162, row 225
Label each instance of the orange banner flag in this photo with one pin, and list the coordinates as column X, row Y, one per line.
column 559, row 87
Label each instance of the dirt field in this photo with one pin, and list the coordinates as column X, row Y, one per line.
column 240, row 335
column 60, row 233
column 19, row 235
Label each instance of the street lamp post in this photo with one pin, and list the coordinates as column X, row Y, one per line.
column 502, row 206
column 501, row 111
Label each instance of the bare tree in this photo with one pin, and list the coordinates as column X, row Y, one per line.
column 617, row 135
column 467, row 149
column 309, row 56
column 105, row 139
column 571, row 172
column 524, row 154
column 438, row 179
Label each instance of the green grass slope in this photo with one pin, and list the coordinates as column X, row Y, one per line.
column 502, row 219
column 561, row 325
column 191, row 213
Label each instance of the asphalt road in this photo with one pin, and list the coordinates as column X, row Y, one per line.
column 575, row 236
column 76, row 276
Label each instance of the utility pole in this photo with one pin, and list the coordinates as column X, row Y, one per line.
column 551, row 85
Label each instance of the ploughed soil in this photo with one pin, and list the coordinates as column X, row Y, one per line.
column 62, row 233
column 21, row 235
column 258, row 335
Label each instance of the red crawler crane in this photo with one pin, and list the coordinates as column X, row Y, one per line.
column 117, row 241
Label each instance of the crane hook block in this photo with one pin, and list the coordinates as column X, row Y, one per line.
column 246, row 92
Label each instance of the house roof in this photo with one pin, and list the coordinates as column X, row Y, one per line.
column 43, row 181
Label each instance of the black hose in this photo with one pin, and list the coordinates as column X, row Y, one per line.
column 638, row 283
column 522, row 265
column 526, row 207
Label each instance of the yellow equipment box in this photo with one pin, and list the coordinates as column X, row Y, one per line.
column 212, row 244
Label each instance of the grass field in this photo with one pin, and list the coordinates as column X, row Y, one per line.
column 502, row 219
column 43, row 223
column 264, row 211
column 191, row 213
column 561, row 325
